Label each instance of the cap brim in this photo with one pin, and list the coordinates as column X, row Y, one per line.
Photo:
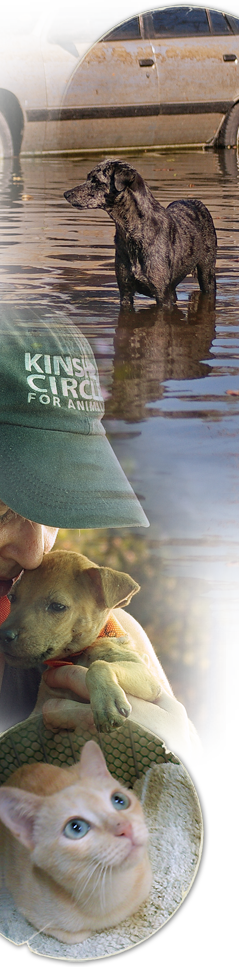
column 67, row 480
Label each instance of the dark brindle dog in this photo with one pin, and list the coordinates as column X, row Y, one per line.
column 156, row 247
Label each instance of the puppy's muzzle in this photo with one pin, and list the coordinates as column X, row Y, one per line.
column 8, row 641
column 15, row 652
column 8, row 636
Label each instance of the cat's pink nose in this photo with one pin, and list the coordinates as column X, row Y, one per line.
column 124, row 829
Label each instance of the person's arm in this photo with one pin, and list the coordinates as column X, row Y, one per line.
column 166, row 718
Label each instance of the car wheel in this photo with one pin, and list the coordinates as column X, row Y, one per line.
column 229, row 135
column 6, row 142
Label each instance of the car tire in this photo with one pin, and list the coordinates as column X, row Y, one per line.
column 229, row 133
column 6, row 142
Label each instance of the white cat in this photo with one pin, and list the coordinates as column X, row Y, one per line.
column 73, row 847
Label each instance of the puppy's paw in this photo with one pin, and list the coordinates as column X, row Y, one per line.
column 110, row 710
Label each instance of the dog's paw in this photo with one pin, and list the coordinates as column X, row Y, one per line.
column 126, row 301
column 111, row 710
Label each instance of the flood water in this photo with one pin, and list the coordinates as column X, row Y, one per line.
column 171, row 388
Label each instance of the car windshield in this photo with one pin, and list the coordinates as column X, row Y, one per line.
column 19, row 17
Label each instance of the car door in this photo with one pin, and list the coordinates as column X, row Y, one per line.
column 105, row 97
column 196, row 61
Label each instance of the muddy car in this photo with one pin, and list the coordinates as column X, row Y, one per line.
column 169, row 76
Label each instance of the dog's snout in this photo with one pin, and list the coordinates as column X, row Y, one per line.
column 8, row 636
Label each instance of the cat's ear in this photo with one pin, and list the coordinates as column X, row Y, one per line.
column 111, row 589
column 18, row 811
column 92, row 762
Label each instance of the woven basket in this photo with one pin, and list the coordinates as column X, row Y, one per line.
column 172, row 813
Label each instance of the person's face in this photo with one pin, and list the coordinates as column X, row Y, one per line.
column 22, row 543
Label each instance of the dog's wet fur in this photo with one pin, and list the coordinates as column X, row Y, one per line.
column 156, row 247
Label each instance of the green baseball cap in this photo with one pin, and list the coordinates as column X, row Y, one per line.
column 56, row 465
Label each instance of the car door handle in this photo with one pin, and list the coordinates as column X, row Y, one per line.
column 229, row 57
column 146, row 62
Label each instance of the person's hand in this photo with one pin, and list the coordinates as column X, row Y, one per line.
column 64, row 713
column 68, row 676
column 166, row 718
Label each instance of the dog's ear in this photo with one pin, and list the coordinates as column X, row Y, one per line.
column 111, row 589
column 126, row 177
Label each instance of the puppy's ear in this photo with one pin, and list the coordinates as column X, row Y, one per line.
column 126, row 177
column 111, row 589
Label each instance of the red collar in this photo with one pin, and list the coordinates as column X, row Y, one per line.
column 5, row 609
column 112, row 629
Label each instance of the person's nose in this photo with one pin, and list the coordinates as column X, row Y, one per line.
column 24, row 544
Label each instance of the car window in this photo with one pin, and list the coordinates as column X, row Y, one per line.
column 130, row 30
column 234, row 23
column 103, row 14
column 179, row 22
column 19, row 17
column 219, row 23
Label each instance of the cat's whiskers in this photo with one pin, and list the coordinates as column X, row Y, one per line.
column 84, row 882
column 106, row 869
column 99, row 883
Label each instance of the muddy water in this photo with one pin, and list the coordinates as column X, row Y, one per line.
column 171, row 387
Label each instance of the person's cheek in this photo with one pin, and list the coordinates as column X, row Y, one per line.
column 50, row 534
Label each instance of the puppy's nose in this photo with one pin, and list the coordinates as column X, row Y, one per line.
column 8, row 636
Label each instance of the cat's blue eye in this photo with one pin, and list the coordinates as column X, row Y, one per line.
column 120, row 801
column 76, row 828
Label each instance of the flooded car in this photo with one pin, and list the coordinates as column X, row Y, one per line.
column 169, row 76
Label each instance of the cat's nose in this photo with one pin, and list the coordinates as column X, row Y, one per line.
column 124, row 829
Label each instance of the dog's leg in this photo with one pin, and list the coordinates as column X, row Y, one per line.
column 125, row 281
column 107, row 684
column 207, row 279
column 166, row 297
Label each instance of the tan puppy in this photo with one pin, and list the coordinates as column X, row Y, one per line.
column 62, row 611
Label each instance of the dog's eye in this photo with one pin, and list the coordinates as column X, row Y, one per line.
column 56, row 607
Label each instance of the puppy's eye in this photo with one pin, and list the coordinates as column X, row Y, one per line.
column 57, row 607
column 12, row 597
column 120, row 801
column 76, row 828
